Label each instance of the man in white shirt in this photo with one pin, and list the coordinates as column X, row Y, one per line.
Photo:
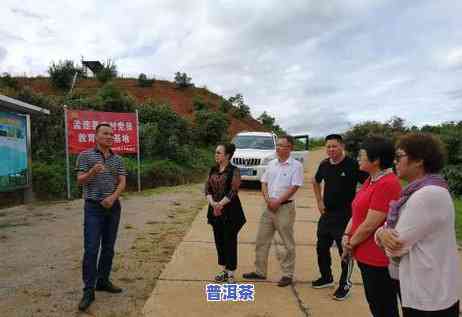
column 280, row 181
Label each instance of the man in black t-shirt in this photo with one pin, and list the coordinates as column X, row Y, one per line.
column 340, row 175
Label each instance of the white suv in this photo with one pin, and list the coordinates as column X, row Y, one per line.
column 254, row 150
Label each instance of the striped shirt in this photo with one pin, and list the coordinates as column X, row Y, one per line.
column 104, row 183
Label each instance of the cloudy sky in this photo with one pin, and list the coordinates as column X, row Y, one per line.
column 317, row 66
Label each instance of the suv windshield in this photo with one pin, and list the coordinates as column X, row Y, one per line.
column 254, row 142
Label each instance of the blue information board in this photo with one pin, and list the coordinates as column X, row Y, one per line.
column 13, row 151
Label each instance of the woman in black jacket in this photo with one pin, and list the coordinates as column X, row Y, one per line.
column 225, row 212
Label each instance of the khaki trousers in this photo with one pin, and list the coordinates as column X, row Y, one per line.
column 281, row 221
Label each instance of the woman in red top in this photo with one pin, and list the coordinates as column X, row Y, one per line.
column 369, row 211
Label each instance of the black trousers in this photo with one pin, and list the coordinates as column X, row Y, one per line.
column 328, row 232
column 226, row 243
column 381, row 293
column 100, row 234
column 452, row 311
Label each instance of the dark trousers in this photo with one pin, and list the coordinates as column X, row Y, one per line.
column 452, row 311
column 328, row 233
column 380, row 290
column 226, row 243
column 100, row 234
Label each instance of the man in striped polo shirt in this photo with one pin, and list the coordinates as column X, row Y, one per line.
column 102, row 174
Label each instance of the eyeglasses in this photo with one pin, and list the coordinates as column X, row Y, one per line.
column 399, row 156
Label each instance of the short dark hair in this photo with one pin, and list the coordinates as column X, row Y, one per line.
column 102, row 125
column 426, row 147
column 379, row 148
column 289, row 139
column 334, row 136
column 230, row 148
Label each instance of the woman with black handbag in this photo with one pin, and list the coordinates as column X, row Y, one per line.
column 225, row 212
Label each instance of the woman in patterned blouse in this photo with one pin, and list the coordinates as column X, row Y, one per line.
column 225, row 212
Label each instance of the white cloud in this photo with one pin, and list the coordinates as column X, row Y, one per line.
column 317, row 66
column 3, row 53
column 454, row 57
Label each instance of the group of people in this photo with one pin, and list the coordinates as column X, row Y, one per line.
column 402, row 239
column 280, row 181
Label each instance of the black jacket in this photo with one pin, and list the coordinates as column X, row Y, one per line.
column 233, row 214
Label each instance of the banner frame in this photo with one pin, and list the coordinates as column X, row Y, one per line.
column 66, row 136
column 28, row 185
column 138, row 151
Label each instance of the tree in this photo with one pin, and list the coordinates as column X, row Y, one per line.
column 266, row 120
column 144, row 81
column 108, row 72
column 62, row 74
column 211, row 127
column 199, row 104
column 225, row 106
column 47, row 131
column 397, row 125
column 163, row 134
column 356, row 135
column 182, row 80
column 241, row 109
column 111, row 98
column 393, row 129
column 270, row 123
column 7, row 81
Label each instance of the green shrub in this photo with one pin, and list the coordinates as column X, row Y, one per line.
column 269, row 123
column 163, row 133
column 450, row 133
column 316, row 143
column 156, row 173
column 202, row 159
column 7, row 81
column 62, row 74
column 241, row 110
column 166, row 172
column 182, row 80
column 355, row 136
column 47, row 131
column 199, row 104
column 453, row 173
column 458, row 207
column 49, row 180
column 211, row 127
column 225, row 106
column 144, row 81
column 83, row 103
column 111, row 98
column 108, row 72
column 453, row 141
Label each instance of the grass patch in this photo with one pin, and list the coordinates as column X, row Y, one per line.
column 13, row 225
column 458, row 205
column 167, row 189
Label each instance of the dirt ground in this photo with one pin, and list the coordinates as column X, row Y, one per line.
column 41, row 252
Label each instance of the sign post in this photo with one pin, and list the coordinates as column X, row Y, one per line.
column 68, row 174
column 138, row 149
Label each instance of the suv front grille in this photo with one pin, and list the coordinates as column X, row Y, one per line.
column 246, row 161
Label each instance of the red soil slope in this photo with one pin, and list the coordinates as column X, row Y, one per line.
column 181, row 100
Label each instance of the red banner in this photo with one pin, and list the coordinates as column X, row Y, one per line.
column 81, row 130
